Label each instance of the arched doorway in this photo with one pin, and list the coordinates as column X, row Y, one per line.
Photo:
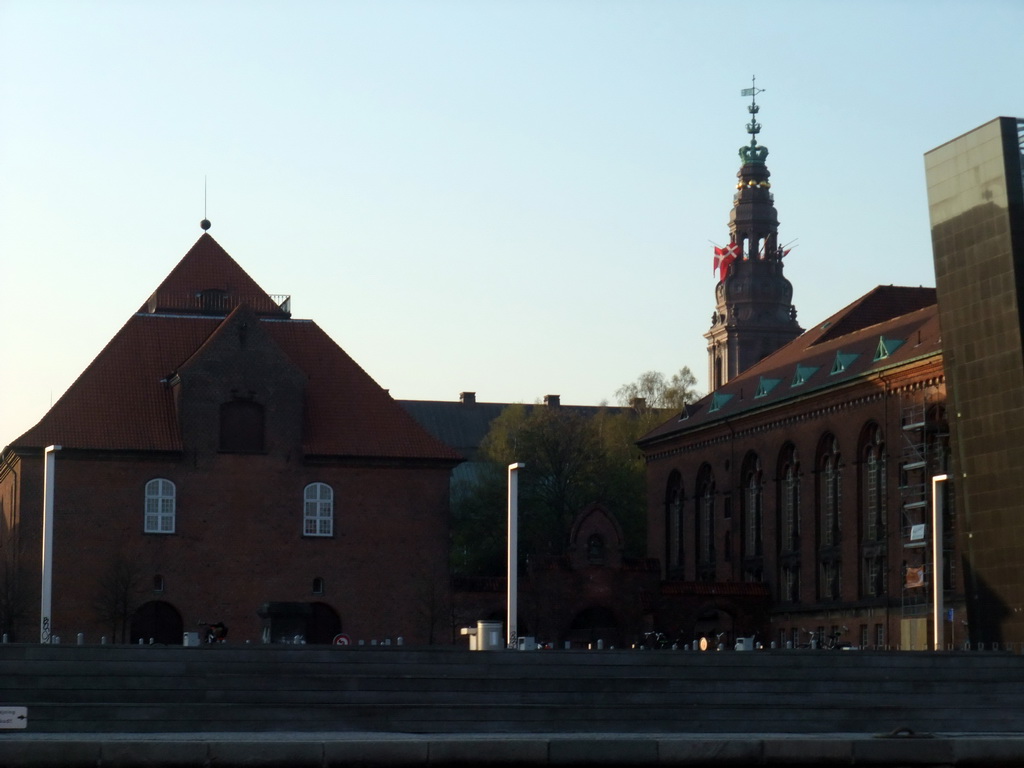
column 716, row 625
column 157, row 621
column 593, row 624
column 323, row 624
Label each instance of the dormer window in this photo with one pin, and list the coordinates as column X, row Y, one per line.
column 803, row 373
column 718, row 401
column 842, row 362
column 886, row 347
column 764, row 386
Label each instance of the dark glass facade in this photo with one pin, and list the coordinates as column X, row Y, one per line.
column 976, row 204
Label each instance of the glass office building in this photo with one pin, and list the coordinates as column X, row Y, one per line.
column 976, row 204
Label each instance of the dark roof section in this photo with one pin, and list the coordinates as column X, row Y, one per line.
column 887, row 327
column 463, row 424
column 121, row 401
column 883, row 303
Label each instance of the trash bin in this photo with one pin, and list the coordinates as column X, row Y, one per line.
column 490, row 636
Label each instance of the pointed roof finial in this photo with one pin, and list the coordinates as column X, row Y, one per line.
column 753, row 153
column 205, row 223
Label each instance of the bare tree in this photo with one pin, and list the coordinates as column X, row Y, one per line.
column 118, row 593
column 13, row 599
column 655, row 391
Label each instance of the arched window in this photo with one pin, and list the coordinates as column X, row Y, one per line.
column 829, row 519
column 830, row 488
column 873, row 485
column 674, row 524
column 318, row 510
column 241, row 427
column 789, row 502
column 752, row 507
column 160, row 506
column 705, row 519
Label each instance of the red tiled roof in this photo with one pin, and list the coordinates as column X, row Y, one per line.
column 850, row 337
column 208, row 267
column 121, row 400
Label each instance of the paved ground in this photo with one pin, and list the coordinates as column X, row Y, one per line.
column 296, row 750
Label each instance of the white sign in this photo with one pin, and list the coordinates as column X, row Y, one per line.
column 917, row 532
column 13, row 717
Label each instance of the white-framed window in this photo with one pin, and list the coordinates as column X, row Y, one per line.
column 160, row 506
column 318, row 510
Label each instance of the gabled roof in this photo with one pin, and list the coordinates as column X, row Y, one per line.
column 208, row 281
column 122, row 400
column 888, row 327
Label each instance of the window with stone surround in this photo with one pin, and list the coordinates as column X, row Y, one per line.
column 159, row 516
column 318, row 510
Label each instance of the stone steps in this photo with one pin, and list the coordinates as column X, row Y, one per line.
column 136, row 689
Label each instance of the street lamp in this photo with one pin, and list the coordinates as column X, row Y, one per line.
column 938, row 566
column 46, row 607
column 512, row 592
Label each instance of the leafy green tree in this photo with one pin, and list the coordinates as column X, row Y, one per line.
column 573, row 458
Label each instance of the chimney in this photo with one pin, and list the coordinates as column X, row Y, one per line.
column 553, row 400
column 467, row 398
column 638, row 403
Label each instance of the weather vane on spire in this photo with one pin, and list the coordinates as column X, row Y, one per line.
column 753, row 153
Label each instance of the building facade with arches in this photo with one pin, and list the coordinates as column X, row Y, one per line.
column 792, row 501
column 801, row 486
column 223, row 462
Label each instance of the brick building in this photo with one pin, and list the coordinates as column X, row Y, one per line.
column 794, row 499
column 222, row 461
column 593, row 590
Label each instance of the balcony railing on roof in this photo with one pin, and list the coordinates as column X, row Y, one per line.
column 218, row 302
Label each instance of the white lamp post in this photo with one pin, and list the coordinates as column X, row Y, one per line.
column 511, row 629
column 938, row 565
column 46, row 607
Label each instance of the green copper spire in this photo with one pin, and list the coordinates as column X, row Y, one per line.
column 753, row 153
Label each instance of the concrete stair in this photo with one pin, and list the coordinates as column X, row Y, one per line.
column 225, row 688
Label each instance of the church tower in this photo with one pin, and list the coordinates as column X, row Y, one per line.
column 754, row 314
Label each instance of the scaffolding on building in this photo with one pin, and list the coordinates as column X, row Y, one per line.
column 922, row 455
column 914, row 509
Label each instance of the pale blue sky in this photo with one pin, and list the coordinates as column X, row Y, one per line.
column 511, row 198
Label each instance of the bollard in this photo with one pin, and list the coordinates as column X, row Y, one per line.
column 5, row 638
column 80, row 638
column 600, row 645
column 103, row 640
column 568, row 644
column 400, row 640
